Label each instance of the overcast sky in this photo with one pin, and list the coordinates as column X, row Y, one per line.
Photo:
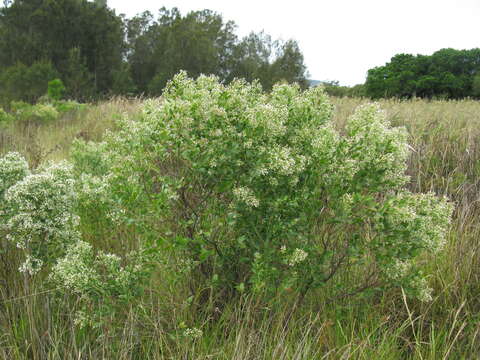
column 342, row 39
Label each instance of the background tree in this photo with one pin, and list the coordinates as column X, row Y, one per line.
column 476, row 85
column 122, row 81
column 97, row 52
column 78, row 80
column 199, row 43
column 289, row 65
column 33, row 30
column 26, row 83
column 202, row 43
column 448, row 73
column 251, row 57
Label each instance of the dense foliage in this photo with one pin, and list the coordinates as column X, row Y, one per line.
column 255, row 192
column 448, row 73
column 96, row 52
column 201, row 42
column 173, row 313
column 36, row 31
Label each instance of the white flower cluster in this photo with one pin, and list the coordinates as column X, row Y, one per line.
column 98, row 276
column 298, row 256
column 193, row 333
column 75, row 271
column 13, row 168
column 40, row 215
column 376, row 149
column 93, row 188
column 399, row 269
column 246, row 195
column 424, row 292
column 284, row 163
column 268, row 118
column 31, row 265
column 425, row 217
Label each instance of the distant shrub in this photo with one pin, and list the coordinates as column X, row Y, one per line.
column 265, row 193
column 332, row 88
column 65, row 106
column 18, row 107
column 44, row 112
column 40, row 111
column 5, row 116
column 55, row 89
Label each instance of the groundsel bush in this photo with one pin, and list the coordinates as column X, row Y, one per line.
column 39, row 216
column 120, row 186
column 13, row 168
column 103, row 282
column 265, row 194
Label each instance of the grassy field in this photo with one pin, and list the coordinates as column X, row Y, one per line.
column 445, row 138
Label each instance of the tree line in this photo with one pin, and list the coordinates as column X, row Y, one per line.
column 447, row 73
column 97, row 53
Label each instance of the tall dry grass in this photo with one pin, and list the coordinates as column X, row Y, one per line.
column 41, row 141
column 445, row 140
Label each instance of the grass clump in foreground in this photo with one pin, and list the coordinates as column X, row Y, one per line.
column 228, row 223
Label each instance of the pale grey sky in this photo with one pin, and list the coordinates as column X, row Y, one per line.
column 342, row 39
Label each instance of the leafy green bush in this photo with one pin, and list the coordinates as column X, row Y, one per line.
column 265, row 194
column 4, row 116
column 18, row 107
column 251, row 191
column 41, row 111
column 62, row 106
column 65, row 106
column 55, row 89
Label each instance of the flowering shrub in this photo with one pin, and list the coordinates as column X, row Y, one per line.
column 102, row 281
column 13, row 168
column 264, row 192
column 39, row 210
column 254, row 191
column 119, row 186
column 39, row 214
